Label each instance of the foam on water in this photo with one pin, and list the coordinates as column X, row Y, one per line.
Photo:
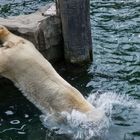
column 76, row 125
column 108, row 100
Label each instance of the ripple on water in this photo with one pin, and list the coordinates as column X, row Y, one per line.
column 16, row 7
column 9, row 112
column 116, row 66
column 116, row 108
column 15, row 122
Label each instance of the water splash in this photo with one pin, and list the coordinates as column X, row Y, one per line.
column 76, row 125
column 108, row 100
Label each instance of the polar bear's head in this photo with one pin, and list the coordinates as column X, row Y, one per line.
column 3, row 31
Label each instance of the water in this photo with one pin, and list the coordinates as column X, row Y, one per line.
column 116, row 66
column 111, row 83
column 16, row 7
column 18, row 118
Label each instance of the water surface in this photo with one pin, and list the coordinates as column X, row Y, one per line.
column 114, row 75
column 16, row 7
column 116, row 66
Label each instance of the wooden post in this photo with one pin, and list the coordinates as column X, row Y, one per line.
column 75, row 16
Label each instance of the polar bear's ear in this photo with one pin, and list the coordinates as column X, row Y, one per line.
column 8, row 44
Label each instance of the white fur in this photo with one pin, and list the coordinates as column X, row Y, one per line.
column 37, row 79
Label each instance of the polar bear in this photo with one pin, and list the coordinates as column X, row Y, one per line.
column 23, row 64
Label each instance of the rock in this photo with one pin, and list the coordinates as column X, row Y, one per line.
column 43, row 28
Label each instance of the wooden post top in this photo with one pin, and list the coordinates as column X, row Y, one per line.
column 75, row 17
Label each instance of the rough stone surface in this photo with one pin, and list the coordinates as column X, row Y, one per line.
column 43, row 28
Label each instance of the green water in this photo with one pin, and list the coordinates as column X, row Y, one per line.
column 116, row 68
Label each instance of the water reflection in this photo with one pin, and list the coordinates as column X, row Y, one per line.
column 115, row 28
